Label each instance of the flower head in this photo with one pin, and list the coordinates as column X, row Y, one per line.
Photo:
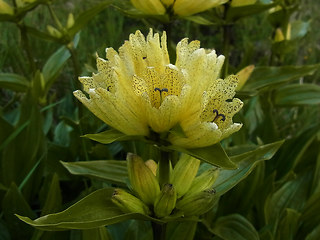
column 138, row 92
column 179, row 7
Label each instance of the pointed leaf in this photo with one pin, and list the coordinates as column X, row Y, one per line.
column 110, row 136
column 235, row 227
column 214, row 155
column 93, row 211
column 108, row 170
column 246, row 162
column 54, row 64
column 14, row 82
column 269, row 76
column 298, row 94
column 288, row 225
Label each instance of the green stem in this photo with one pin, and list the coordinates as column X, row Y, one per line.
column 55, row 18
column 76, row 85
column 159, row 231
column 26, row 46
column 164, row 168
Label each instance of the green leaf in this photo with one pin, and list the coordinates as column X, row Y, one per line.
column 270, row 76
column 181, row 230
column 108, row 170
column 298, row 94
column 12, row 203
column 54, row 64
column 315, row 234
column 235, row 13
column 235, row 227
column 54, row 199
column 93, row 211
column 246, row 162
column 214, row 155
column 100, row 233
column 14, row 82
column 310, row 217
column 288, row 225
column 86, row 16
column 292, row 194
column 43, row 35
column 299, row 29
column 110, row 136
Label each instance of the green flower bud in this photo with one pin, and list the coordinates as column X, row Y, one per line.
column 70, row 21
column 142, row 180
column 5, row 8
column 129, row 203
column 166, row 201
column 197, row 203
column 152, row 165
column 54, row 32
column 183, row 173
column 204, row 181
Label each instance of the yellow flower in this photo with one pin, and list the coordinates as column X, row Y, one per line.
column 137, row 91
column 179, row 7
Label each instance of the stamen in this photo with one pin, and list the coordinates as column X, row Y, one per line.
column 108, row 88
column 223, row 117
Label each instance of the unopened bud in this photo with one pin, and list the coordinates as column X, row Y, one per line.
column 5, row 8
column 152, row 165
column 129, row 203
column 183, row 173
column 197, row 203
column 279, row 35
column 243, row 75
column 142, row 180
column 204, row 181
column 70, row 21
column 54, row 32
column 166, row 201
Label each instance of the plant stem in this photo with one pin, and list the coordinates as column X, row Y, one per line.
column 76, row 85
column 164, row 168
column 26, row 46
column 159, row 231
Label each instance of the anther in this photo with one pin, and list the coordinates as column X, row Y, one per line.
column 108, row 88
column 223, row 117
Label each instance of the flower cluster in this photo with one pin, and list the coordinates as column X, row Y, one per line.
column 138, row 92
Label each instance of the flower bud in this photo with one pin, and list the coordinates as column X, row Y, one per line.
column 166, row 201
column 142, row 180
column 278, row 37
column 243, row 75
column 197, row 203
column 241, row 3
column 5, row 8
column 204, row 181
column 129, row 203
column 54, row 32
column 70, row 20
column 183, row 173
column 152, row 165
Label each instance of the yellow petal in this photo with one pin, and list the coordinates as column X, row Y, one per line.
column 152, row 7
column 190, row 7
